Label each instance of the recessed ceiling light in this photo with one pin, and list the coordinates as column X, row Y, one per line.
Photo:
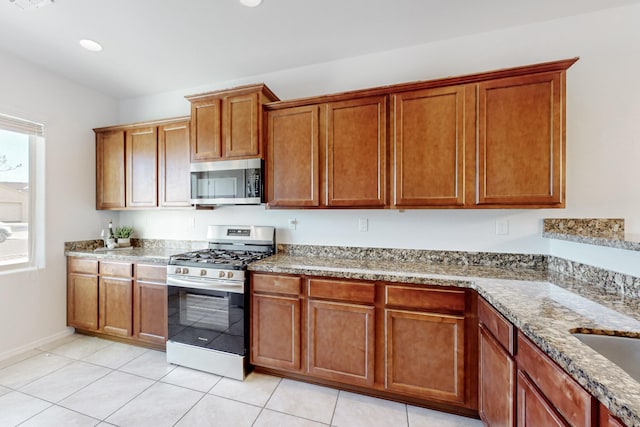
column 91, row 45
column 251, row 3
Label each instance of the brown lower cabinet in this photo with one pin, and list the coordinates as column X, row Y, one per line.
column 411, row 343
column 275, row 322
column 520, row 385
column 82, row 293
column 340, row 321
column 496, row 368
column 118, row 299
column 150, row 303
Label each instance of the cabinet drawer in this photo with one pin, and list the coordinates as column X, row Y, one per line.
column 500, row 328
column 573, row 402
column 342, row 290
column 116, row 269
column 151, row 273
column 81, row 265
column 427, row 299
column 276, row 284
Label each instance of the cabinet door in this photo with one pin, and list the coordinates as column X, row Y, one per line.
column 521, row 140
column 569, row 399
column 116, row 306
column 240, row 130
column 142, row 167
column 497, row 385
column 607, row 419
column 275, row 339
column 293, row 175
column 110, row 186
column 424, row 354
column 206, row 135
column 357, row 153
column 150, row 303
column 431, row 128
column 533, row 409
column 341, row 342
column 173, row 150
column 150, row 312
column 82, row 301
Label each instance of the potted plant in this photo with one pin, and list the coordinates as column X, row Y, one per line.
column 123, row 234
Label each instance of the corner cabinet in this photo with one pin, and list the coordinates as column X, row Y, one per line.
column 328, row 155
column 519, row 385
column 228, row 124
column 143, row 165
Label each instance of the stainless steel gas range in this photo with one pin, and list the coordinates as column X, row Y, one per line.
column 208, row 300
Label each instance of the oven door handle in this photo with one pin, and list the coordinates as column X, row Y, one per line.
column 217, row 285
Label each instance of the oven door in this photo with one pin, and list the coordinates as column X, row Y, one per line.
column 206, row 318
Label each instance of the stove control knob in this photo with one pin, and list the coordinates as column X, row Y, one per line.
column 185, row 270
column 230, row 274
column 178, row 270
column 203, row 272
column 221, row 274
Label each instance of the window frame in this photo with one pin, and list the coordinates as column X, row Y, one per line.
column 35, row 210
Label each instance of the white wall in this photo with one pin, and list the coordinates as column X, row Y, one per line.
column 603, row 147
column 33, row 303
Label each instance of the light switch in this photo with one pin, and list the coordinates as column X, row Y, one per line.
column 502, row 226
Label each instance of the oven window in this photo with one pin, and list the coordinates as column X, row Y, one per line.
column 209, row 319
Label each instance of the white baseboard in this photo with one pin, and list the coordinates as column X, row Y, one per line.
column 36, row 344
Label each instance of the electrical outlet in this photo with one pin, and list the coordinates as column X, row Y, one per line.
column 363, row 225
column 292, row 223
column 502, row 226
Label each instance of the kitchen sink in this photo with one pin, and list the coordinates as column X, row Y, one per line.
column 623, row 351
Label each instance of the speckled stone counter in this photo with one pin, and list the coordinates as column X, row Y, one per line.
column 547, row 306
column 142, row 250
column 607, row 232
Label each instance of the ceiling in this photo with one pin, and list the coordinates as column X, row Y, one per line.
column 154, row 46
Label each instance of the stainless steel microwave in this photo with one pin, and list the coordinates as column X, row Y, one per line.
column 227, row 182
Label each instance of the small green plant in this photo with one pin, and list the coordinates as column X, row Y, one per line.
column 123, row 232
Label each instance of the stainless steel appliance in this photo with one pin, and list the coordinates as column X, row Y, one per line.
column 208, row 300
column 227, row 182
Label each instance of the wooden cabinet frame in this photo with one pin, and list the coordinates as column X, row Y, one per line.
column 487, row 140
column 143, row 165
column 227, row 124
column 118, row 299
column 340, row 332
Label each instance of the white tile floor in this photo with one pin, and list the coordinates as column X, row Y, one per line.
column 85, row 381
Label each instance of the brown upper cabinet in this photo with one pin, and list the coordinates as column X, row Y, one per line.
column 489, row 140
column 432, row 127
column 143, row 165
column 330, row 154
column 521, row 140
column 228, row 124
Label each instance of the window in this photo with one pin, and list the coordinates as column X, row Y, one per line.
column 21, row 144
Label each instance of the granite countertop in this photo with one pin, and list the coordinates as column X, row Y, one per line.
column 131, row 254
column 546, row 306
column 607, row 232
